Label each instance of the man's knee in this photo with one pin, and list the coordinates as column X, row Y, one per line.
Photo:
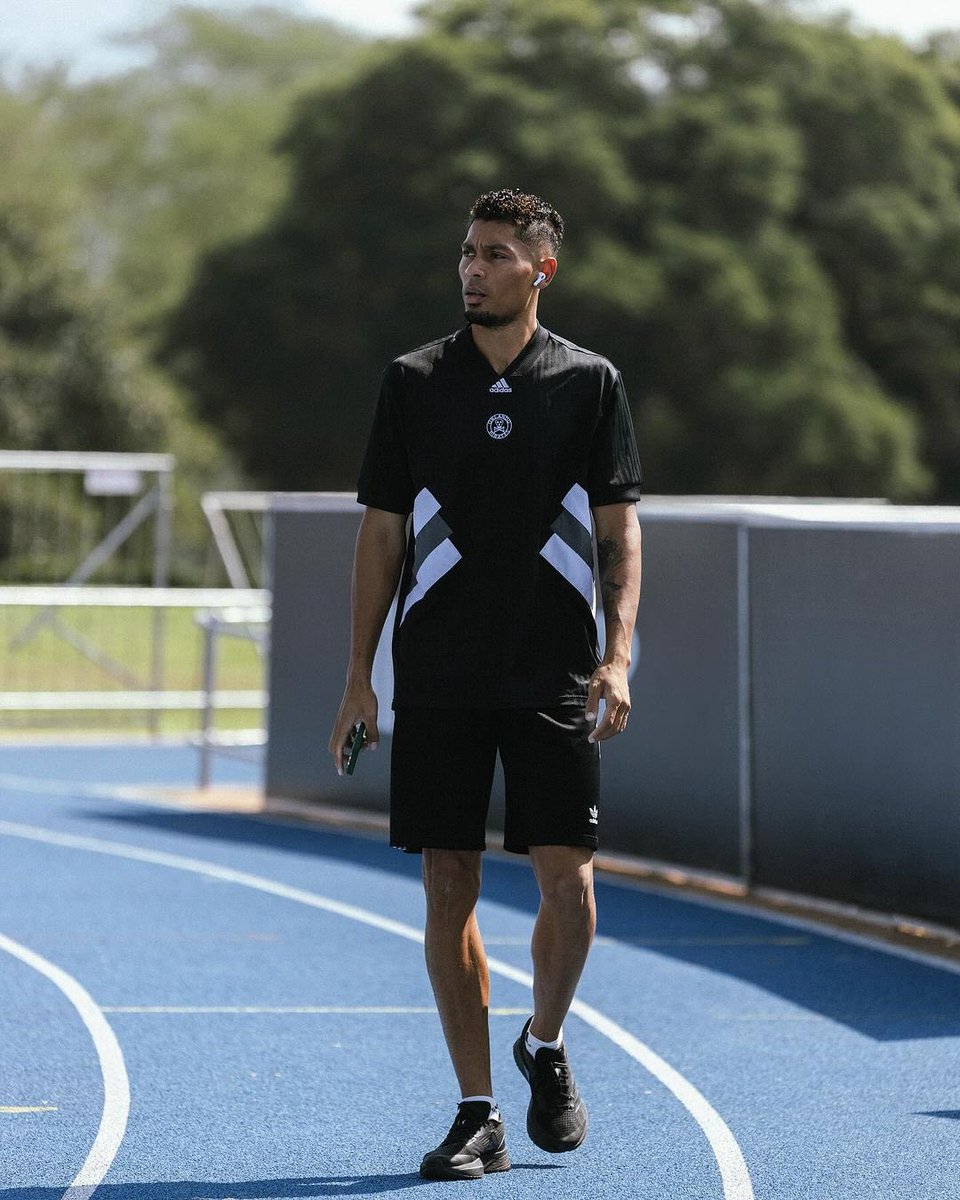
column 565, row 877
column 451, row 881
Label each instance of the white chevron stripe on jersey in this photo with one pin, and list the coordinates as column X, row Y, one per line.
column 577, row 504
column 570, row 546
column 434, row 567
column 425, row 507
column 572, row 567
column 432, row 561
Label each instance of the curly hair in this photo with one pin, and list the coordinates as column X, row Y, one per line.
column 537, row 222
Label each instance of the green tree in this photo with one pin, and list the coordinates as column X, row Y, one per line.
column 177, row 157
column 62, row 382
column 69, row 378
column 111, row 191
column 878, row 196
column 693, row 152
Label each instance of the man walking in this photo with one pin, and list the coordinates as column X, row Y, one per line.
column 502, row 441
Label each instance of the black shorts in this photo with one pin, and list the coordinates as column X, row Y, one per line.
column 442, row 772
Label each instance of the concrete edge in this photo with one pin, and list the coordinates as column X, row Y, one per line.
column 906, row 933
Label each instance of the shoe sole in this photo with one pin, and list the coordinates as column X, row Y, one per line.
column 499, row 1161
column 537, row 1134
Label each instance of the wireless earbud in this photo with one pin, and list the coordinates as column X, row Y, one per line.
column 539, row 279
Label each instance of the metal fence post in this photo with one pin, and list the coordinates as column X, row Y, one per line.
column 744, row 705
column 163, row 545
column 208, row 623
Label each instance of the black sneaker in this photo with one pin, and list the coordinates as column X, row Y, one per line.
column 556, row 1115
column 474, row 1147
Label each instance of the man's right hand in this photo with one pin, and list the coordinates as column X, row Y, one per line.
column 359, row 704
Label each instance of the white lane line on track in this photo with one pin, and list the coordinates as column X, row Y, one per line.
column 323, row 1010
column 734, row 1175
column 129, row 795
column 116, row 1086
column 667, row 943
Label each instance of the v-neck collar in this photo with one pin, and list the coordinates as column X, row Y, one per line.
column 520, row 365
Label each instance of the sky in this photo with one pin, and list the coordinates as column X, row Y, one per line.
column 78, row 31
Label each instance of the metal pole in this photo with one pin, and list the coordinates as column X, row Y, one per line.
column 224, row 541
column 266, row 560
column 206, row 719
column 161, row 573
column 744, row 707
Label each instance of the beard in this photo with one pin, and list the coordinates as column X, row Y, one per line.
column 490, row 320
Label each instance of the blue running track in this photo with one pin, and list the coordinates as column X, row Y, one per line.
column 205, row 1006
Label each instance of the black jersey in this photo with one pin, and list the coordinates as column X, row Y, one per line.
column 496, row 607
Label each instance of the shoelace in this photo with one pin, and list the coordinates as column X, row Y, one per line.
column 558, row 1077
column 465, row 1123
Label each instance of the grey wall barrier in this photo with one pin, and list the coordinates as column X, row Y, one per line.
column 796, row 693
column 856, row 710
column 311, row 548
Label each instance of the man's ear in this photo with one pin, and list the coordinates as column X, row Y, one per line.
column 545, row 272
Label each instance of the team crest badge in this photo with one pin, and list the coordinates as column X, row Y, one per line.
column 499, row 426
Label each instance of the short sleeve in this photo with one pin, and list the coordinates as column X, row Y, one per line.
column 384, row 480
column 614, row 474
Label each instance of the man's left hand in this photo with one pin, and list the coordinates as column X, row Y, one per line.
column 609, row 684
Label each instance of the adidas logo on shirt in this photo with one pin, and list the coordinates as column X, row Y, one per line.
column 501, row 387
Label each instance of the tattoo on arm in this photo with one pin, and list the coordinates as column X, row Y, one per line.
column 609, row 558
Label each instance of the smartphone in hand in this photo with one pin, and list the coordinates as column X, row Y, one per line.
column 356, row 743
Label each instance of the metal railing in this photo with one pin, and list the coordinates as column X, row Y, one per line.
column 95, row 651
column 251, row 624
column 77, row 649
column 243, row 549
column 48, row 514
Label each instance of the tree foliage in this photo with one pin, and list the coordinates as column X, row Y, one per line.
column 111, row 190
column 762, row 214
column 64, row 384
column 177, row 157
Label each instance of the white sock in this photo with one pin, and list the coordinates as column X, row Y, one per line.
column 534, row 1044
column 494, row 1110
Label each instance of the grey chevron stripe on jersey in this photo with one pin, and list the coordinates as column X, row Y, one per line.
column 569, row 549
column 569, row 530
column 428, row 539
column 434, row 554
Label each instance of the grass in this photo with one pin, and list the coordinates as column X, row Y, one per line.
column 52, row 659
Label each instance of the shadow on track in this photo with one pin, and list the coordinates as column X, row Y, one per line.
column 883, row 996
column 254, row 1189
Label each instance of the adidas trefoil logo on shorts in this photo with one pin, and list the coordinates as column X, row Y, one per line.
column 594, row 815
column 501, row 387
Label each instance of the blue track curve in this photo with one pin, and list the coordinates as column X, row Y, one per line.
column 835, row 1065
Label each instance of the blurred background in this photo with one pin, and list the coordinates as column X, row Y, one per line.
column 218, row 222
